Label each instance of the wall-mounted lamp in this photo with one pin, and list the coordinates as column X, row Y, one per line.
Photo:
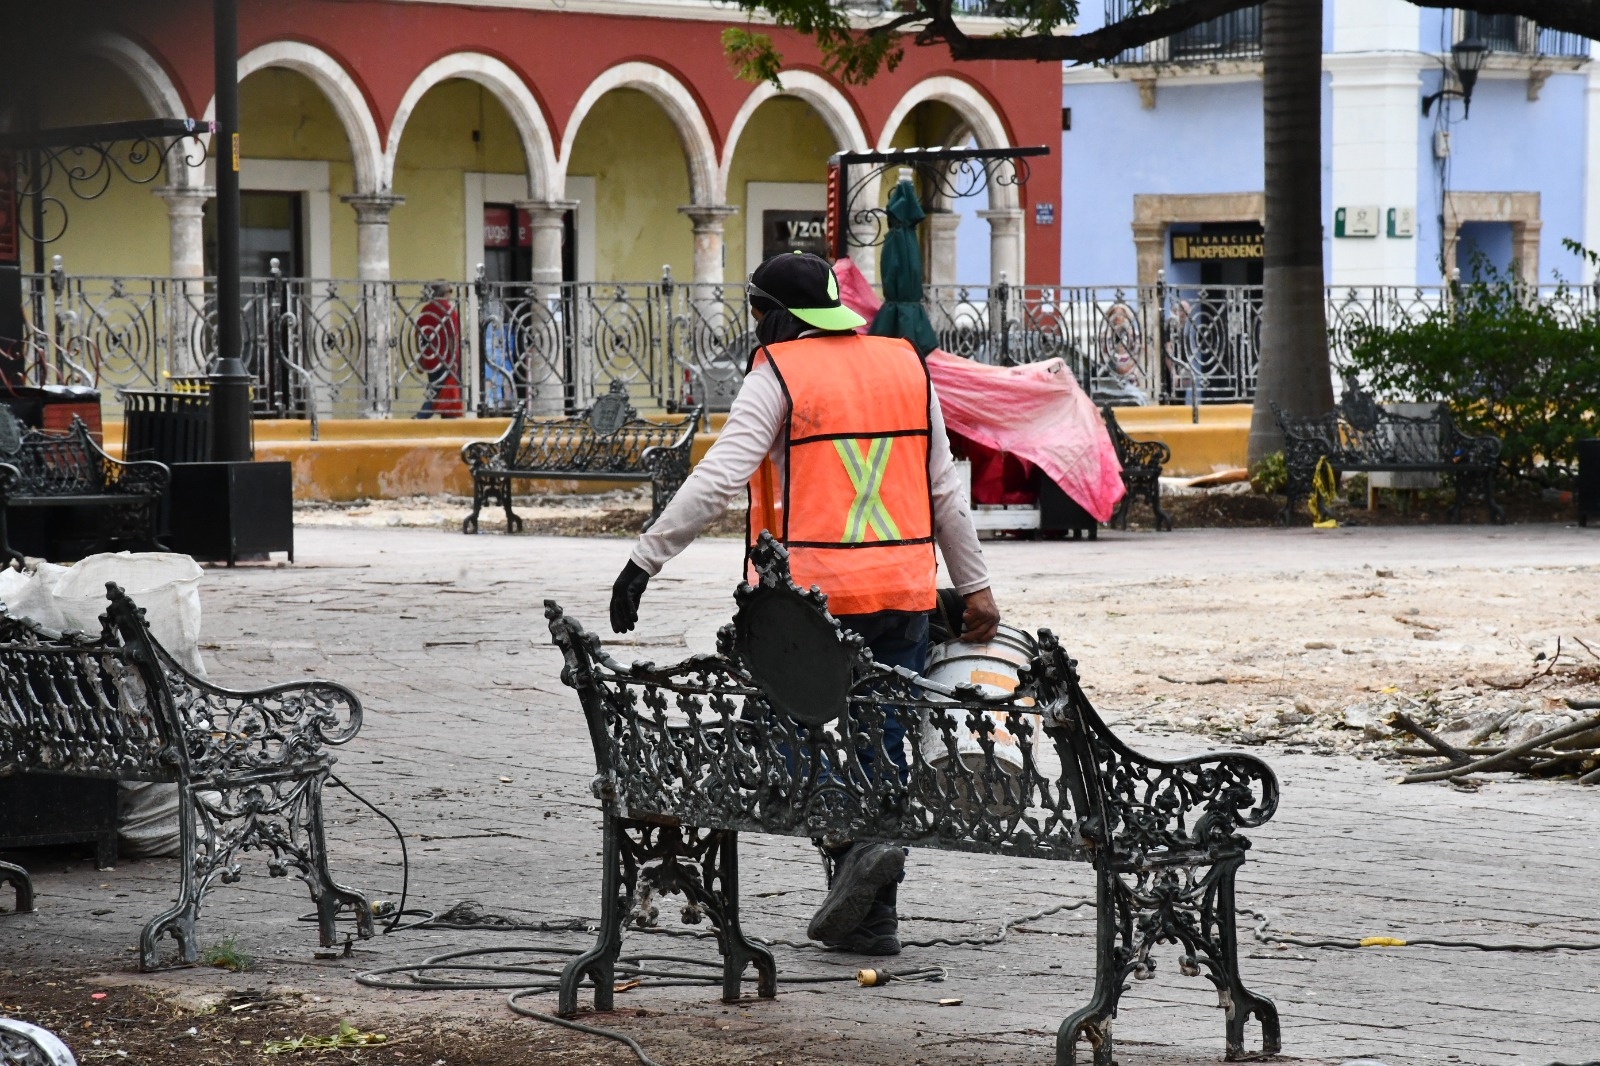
column 1466, row 59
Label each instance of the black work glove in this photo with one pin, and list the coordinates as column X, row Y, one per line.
column 625, row 596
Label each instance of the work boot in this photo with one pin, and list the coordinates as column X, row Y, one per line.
column 858, row 875
column 878, row 933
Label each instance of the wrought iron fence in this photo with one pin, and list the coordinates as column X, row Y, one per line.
column 345, row 349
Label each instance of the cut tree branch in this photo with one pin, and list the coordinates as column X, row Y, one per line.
column 1568, row 16
column 1108, row 42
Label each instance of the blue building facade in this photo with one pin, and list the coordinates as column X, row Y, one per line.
column 1162, row 160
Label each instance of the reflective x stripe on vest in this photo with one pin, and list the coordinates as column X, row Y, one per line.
column 866, row 467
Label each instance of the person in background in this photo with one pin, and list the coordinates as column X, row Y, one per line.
column 439, row 352
column 840, row 444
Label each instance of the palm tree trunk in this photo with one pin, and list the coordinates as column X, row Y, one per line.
column 1294, row 371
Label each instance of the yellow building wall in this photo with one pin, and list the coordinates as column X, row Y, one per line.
column 283, row 115
column 123, row 230
column 785, row 140
column 628, row 144
column 458, row 127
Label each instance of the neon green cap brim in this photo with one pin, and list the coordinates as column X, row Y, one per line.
column 840, row 317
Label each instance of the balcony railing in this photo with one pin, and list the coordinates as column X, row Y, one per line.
column 347, row 349
column 1514, row 35
column 1234, row 36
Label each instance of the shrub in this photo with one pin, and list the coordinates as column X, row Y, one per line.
column 1509, row 362
column 1269, row 475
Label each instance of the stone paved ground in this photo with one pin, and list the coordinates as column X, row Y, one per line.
column 472, row 743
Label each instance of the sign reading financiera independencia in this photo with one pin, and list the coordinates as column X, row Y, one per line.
column 1204, row 247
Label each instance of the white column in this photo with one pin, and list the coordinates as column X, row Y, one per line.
column 540, row 371
column 1376, row 91
column 372, row 233
column 708, row 220
column 372, row 267
column 547, row 221
column 185, row 212
column 1005, row 244
column 941, row 227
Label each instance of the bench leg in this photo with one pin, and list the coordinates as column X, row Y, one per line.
column 8, row 554
column 179, row 919
column 18, row 879
column 1163, row 520
column 513, row 523
column 1238, row 1001
column 329, row 896
column 469, row 524
column 737, row 951
column 1113, row 937
column 599, row 963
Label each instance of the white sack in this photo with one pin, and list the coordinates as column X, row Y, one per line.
column 165, row 584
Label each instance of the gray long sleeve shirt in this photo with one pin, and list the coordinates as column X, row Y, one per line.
column 753, row 432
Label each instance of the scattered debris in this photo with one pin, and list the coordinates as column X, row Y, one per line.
column 347, row 1036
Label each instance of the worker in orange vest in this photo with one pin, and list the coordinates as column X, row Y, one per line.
column 840, row 444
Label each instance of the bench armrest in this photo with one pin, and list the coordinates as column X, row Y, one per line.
column 10, row 480
column 480, row 454
column 1157, row 805
column 1465, row 449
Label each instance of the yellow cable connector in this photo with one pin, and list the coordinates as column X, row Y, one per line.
column 1324, row 486
column 871, row 978
column 1382, row 942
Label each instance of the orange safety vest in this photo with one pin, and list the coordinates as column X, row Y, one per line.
column 855, row 509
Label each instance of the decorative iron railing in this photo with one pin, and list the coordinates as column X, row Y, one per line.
column 1236, row 35
column 1516, row 35
column 345, row 349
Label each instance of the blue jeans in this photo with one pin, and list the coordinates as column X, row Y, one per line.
column 896, row 638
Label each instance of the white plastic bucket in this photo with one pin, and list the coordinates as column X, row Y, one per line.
column 994, row 668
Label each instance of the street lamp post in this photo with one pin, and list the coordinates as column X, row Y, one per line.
column 1466, row 59
column 230, row 379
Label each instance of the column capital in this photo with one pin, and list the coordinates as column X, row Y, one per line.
column 545, row 210
column 372, row 207
column 942, row 221
column 1000, row 214
column 183, row 195
column 708, row 216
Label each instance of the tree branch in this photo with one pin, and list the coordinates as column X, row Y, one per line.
column 1568, row 16
column 1105, row 43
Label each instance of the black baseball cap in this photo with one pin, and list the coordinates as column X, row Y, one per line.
column 804, row 285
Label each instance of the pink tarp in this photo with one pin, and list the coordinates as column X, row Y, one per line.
column 1036, row 412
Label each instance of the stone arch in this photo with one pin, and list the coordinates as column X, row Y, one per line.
column 512, row 93
column 662, row 86
column 829, row 102
column 154, row 84
column 144, row 70
column 343, row 94
column 976, row 111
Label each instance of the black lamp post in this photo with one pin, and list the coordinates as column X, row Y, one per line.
column 1466, row 59
column 230, row 378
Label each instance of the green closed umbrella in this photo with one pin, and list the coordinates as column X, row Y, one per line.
column 900, row 268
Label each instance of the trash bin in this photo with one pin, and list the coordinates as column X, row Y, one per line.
column 53, row 407
column 169, row 427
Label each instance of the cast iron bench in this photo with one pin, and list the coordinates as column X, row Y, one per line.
column 769, row 735
column 39, row 469
column 608, row 442
column 249, row 766
column 24, row 1044
column 1359, row 435
column 1141, row 461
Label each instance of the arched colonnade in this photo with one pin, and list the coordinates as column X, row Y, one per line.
column 374, row 152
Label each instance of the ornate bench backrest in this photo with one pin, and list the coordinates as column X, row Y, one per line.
column 91, row 706
column 63, row 465
column 783, row 731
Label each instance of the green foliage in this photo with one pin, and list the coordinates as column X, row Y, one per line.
column 754, row 57
column 1270, row 475
column 1509, row 362
column 227, row 955
column 857, row 46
